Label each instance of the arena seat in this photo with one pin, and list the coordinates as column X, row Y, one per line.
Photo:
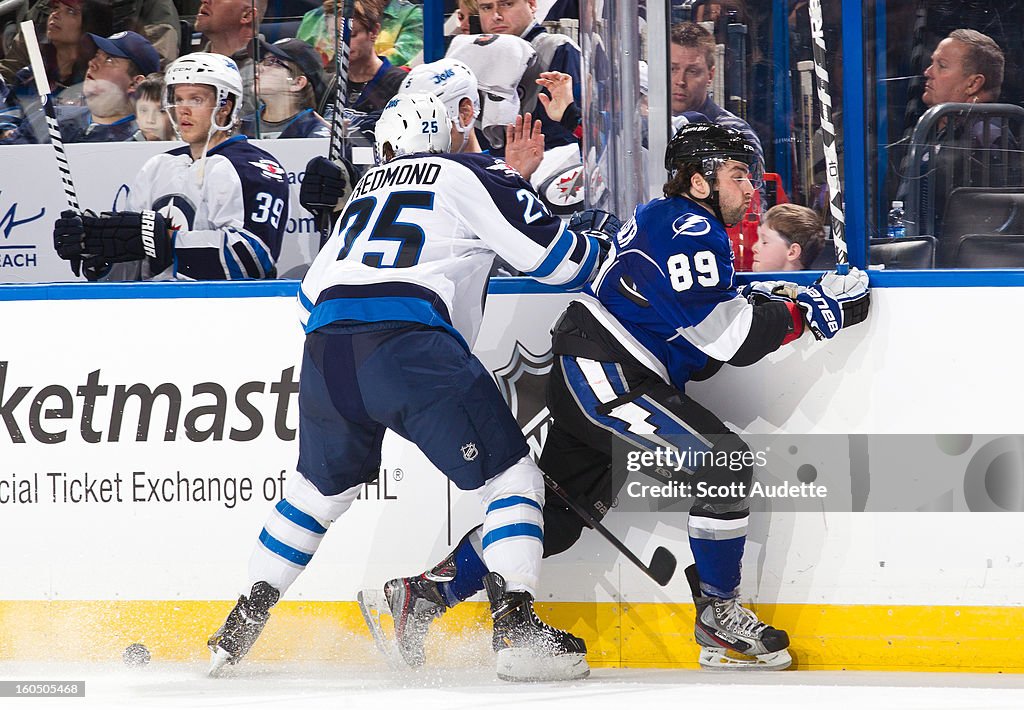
column 908, row 253
column 976, row 211
column 990, row 251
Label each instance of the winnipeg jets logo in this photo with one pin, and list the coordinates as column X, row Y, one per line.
column 566, row 188
column 269, row 168
column 469, row 451
column 501, row 166
column 692, row 225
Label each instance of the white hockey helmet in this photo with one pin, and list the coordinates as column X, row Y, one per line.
column 449, row 80
column 214, row 70
column 413, row 123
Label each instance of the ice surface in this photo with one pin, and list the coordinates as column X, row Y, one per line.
column 295, row 686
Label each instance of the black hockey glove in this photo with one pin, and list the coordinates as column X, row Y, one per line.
column 113, row 237
column 326, row 185
column 601, row 224
column 597, row 223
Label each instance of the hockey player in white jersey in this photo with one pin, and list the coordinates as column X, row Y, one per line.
column 325, row 183
column 664, row 310
column 391, row 307
column 215, row 208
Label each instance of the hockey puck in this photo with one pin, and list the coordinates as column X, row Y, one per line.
column 135, row 655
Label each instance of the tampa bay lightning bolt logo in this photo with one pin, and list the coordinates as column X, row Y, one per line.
column 691, row 225
column 178, row 210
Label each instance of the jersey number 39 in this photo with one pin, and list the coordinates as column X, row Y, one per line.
column 680, row 270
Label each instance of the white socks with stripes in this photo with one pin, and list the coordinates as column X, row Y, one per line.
column 513, row 531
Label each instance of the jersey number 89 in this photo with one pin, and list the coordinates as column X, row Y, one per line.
column 680, row 270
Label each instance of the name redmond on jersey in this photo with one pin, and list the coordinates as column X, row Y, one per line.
column 96, row 411
column 407, row 173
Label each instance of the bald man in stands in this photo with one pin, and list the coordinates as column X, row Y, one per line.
column 228, row 26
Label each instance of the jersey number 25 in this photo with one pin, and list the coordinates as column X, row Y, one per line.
column 406, row 238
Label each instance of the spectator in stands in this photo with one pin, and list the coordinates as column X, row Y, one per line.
column 401, row 32
column 467, row 15
column 555, row 53
column 789, row 238
column 149, row 110
column 156, row 20
column 372, row 80
column 966, row 67
column 692, row 57
column 66, row 24
column 290, row 82
column 229, row 27
column 119, row 64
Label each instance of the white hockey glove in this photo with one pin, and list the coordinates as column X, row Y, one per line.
column 835, row 301
column 759, row 292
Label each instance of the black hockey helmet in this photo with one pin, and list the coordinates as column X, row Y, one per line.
column 707, row 146
column 699, row 143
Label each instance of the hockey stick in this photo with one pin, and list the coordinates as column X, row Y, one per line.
column 806, row 155
column 663, row 562
column 28, row 32
column 828, row 133
column 339, row 140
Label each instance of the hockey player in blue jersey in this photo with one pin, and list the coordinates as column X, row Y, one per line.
column 663, row 310
column 215, row 208
column 391, row 308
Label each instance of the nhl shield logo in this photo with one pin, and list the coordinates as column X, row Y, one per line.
column 522, row 383
column 469, row 451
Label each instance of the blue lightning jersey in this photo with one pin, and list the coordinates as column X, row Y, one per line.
column 667, row 291
column 419, row 235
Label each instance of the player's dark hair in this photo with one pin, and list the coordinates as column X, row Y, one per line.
column 678, row 184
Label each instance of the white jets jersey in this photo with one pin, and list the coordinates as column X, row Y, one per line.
column 230, row 224
column 419, row 235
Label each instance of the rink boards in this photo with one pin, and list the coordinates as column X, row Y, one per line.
column 145, row 430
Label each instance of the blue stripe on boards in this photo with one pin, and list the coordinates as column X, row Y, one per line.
column 303, row 520
column 514, row 530
column 282, row 550
column 511, row 501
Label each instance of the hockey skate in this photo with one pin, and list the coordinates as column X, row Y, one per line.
column 731, row 637
column 413, row 603
column 527, row 648
column 235, row 637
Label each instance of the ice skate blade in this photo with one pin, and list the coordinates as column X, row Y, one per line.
column 717, row 659
column 373, row 604
column 218, row 659
column 523, row 665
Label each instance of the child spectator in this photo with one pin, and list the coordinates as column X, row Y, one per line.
column 789, row 238
column 149, row 110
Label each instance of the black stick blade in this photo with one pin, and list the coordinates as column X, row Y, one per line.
column 663, row 566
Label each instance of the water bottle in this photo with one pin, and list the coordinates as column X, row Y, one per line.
column 897, row 229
